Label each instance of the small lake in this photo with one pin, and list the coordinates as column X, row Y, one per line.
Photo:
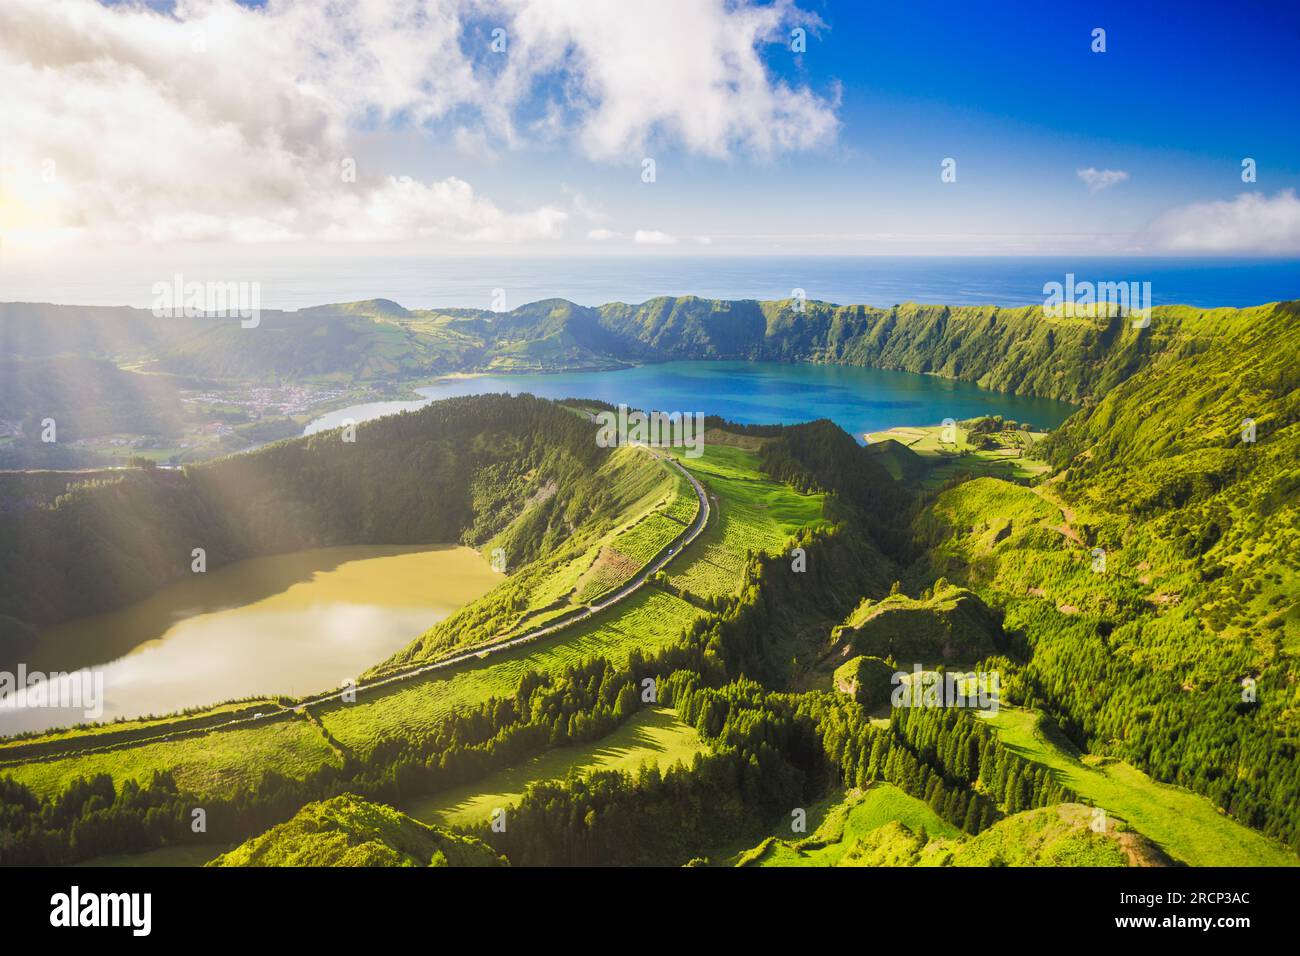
column 288, row 624
column 859, row 400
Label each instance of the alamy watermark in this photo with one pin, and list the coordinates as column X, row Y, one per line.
column 133, row 911
column 80, row 690
column 921, row 688
column 655, row 430
column 193, row 300
column 1090, row 299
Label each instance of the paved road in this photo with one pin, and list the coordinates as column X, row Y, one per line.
column 631, row 587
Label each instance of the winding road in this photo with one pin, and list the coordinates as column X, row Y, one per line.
column 643, row 577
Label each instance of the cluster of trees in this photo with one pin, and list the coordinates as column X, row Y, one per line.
column 765, row 762
column 821, row 456
column 992, row 425
column 944, row 756
column 585, row 703
column 772, row 754
column 98, row 816
column 1217, row 738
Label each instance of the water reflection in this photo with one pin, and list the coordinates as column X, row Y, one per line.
column 290, row 624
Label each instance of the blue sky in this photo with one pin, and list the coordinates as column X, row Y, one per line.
column 539, row 147
column 1014, row 93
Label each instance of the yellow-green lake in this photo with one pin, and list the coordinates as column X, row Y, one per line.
column 288, row 624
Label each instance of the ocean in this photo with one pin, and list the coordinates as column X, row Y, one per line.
column 443, row 282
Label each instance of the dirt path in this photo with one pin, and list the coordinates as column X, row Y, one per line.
column 1066, row 527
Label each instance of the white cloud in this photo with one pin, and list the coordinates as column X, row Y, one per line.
column 223, row 122
column 1099, row 179
column 603, row 235
column 474, row 144
column 1250, row 222
column 584, row 207
column 404, row 208
column 688, row 71
column 653, row 237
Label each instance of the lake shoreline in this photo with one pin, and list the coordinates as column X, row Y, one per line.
column 858, row 398
column 280, row 625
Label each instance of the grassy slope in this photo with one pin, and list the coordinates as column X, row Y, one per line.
column 753, row 514
column 652, row 736
column 1159, row 466
column 649, row 620
column 574, row 570
column 1185, row 825
column 349, row 831
column 841, row 820
column 220, row 763
column 886, row 827
column 942, row 461
column 1059, row 835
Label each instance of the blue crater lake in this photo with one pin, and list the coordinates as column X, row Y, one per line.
column 859, row 400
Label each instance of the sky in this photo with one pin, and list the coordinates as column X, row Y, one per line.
column 577, row 127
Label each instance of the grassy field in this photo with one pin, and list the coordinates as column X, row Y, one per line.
column 163, row 856
column 598, row 554
column 838, row 822
column 685, row 506
column 1186, row 826
column 652, row 736
column 753, row 513
column 1010, row 458
column 95, row 735
column 219, row 763
column 628, row 553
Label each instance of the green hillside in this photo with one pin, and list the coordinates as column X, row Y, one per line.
column 949, row 625
column 886, row 827
column 838, row 823
column 349, row 831
column 1153, row 578
column 1186, row 826
column 1134, row 583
